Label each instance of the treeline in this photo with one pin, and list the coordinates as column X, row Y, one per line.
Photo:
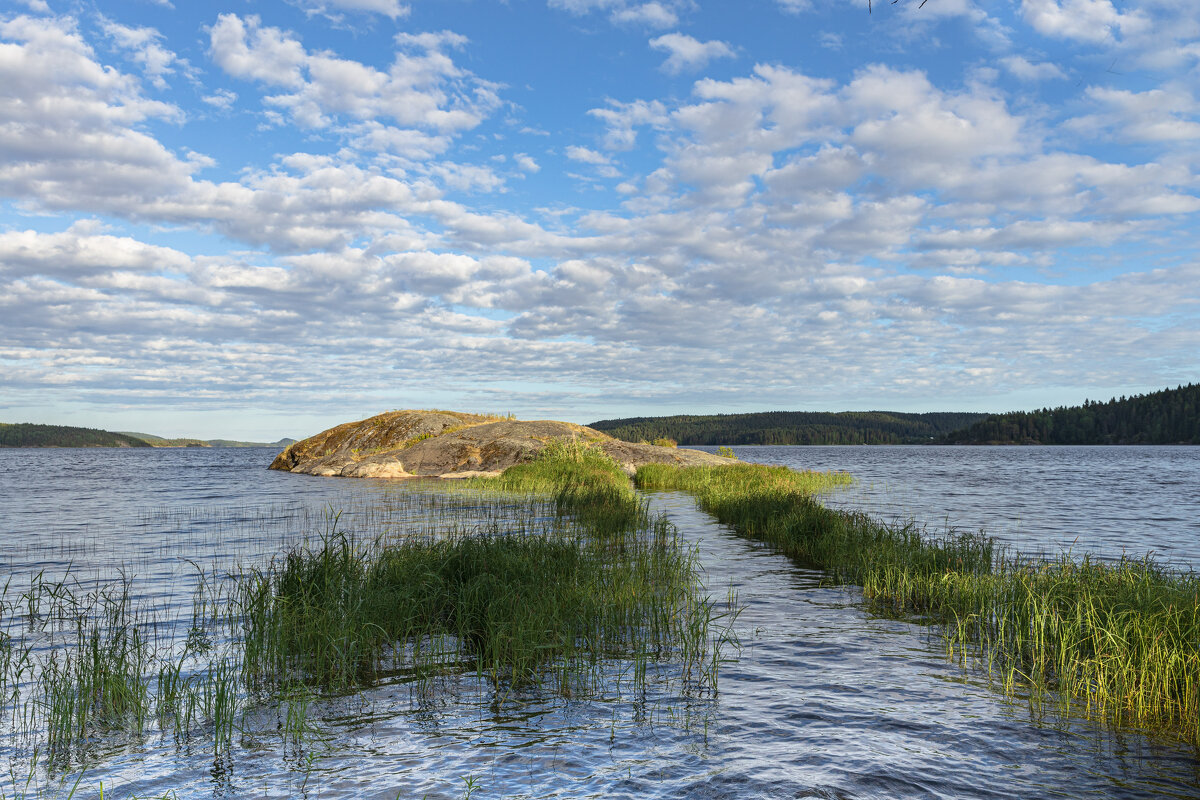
column 1171, row 416
column 791, row 427
column 25, row 434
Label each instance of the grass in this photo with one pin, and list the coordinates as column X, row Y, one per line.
column 552, row 577
column 518, row 602
column 1119, row 640
column 584, row 483
column 520, row 607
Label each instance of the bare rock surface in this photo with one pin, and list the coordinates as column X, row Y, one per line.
column 450, row 444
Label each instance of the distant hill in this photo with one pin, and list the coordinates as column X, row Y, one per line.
column 791, row 427
column 1171, row 416
column 282, row 443
column 159, row 441
column 25, row 434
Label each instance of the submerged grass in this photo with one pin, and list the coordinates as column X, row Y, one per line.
column 516, row 606
column 552, row 577
column 1122, row 640
column 518, row 602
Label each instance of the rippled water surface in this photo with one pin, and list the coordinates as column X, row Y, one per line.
column 822, row 699
column 1100, row 500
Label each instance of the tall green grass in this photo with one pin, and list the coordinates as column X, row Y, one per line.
column 1120, row 640
column 552, row 577
column 584, row 483
column 520, row 602
column 521, row 607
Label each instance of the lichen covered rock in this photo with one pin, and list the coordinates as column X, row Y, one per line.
column 450, row 444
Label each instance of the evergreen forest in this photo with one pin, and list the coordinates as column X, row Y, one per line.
column 792, row 427
column 1171, row 416
column 25, row 434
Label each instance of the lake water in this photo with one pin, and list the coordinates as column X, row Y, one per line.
column 823, row 699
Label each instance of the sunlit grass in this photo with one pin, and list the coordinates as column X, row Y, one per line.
column 1121, row 640
column 551, row 578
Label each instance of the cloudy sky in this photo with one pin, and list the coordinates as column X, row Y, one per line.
column 260, row 219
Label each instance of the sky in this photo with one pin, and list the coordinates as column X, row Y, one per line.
column 261, row 219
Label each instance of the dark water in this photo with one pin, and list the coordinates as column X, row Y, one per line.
column 822, row 700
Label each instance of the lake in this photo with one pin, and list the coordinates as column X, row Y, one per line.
column 822, row 698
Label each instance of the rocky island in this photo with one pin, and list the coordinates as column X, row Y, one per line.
column 451, row 444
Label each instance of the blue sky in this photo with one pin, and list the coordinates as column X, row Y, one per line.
column 263, row 219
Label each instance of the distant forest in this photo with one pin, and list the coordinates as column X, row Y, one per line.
column 24, row 434
column 1171, row 416
column 792, row 427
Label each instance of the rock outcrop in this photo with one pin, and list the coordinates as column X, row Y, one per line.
column 449, row 444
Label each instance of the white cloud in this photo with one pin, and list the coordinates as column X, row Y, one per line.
column 1169, row 114
column 863, row 231
column 623, row 119
column 1023, row 69
column 422, row 88
column 687, row 54
column 221, row 98
column 526, row 162
column 68, row 130
column 1082, row 20
column 794, row 6
column 144, row 47
column 392, row 9
column 245, row 49
column 586, row 155
column 652, row 15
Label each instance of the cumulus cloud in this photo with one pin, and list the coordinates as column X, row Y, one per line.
column 69, row 124
column 884, row 229
column 623, row 120
column 1169, row 114
column 687, row 54
column 652, row 15
column 1081, row 20
column 586, row 155
column 222, row 99
column 422, row 88
column 144, row 47
column 392, row 9
column 1026, row 70
column 526, row 162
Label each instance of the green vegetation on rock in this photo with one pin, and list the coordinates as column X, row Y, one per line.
column 1171, row 416
column 790, row 427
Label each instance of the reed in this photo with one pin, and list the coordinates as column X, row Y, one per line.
column 552, row 577
column 530, row 600
column 583, row 482
column 1119, row 640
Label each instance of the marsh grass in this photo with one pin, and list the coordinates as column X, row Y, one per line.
column 519, row 607
column 585, row 484
column 552, row 578
column 535, row 600
column 1117, row 640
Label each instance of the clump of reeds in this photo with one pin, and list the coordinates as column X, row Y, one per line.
column 583, row 481
column 1121, row 638
column 516, row 601
column 553, row 575
column 516, row 606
